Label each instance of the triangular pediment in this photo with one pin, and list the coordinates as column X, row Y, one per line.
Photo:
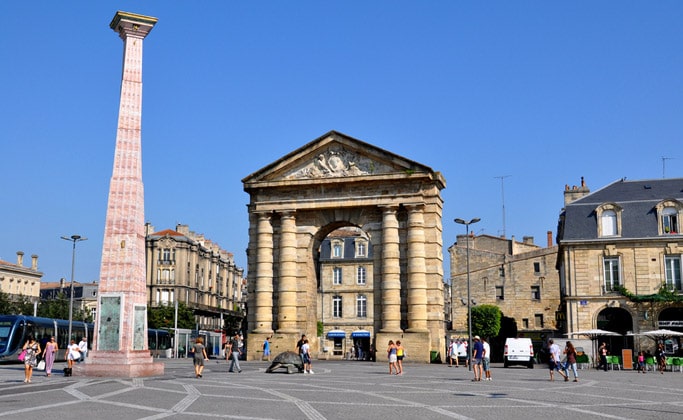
column 335, row 155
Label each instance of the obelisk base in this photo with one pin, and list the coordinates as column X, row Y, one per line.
column 119, row 364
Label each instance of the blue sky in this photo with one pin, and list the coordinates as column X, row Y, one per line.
column 538, row 92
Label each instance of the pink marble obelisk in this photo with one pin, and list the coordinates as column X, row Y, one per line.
column 120, row 339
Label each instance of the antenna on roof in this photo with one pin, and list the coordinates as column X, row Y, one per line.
column 502, row 194
column 664, row 159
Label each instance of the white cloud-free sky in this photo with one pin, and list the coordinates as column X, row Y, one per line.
column 540, row 93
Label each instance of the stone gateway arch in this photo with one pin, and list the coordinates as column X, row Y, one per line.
column 332, row 182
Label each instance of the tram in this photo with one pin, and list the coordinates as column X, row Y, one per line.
column 15, row 329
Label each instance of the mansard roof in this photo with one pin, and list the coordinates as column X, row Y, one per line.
column 637, row 201
column 335, row 155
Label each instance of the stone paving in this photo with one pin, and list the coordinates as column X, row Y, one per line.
column 342, row 390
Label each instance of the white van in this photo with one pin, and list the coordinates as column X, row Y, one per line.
column 518, row 351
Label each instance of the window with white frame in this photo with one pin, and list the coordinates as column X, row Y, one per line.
column 361, row 306
column 611, row 273
column 360, row 275
column 337, row 306
column 337, row 250
column 337, row 275
column 361, row 250
column 673, row 272
column 608, row 222
column 669, row 220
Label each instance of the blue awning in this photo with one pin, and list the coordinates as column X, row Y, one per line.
column 360, row 334
column 336, row 334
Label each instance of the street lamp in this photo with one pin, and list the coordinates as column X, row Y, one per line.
column 469, row 299
column 74, row 238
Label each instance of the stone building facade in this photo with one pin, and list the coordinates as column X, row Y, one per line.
column 332, row 182
column 620, row 259
column 185, row 266
column 18, row 280
column 518, row 277
column 346, row 294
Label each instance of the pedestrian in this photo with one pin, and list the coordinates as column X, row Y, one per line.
column 641, row 361
column 486, row 360
column 603, row 356
column 570, row 351
column 199, row 353
column 477, row 356
column 83, row 347
column 299, row 344
column 32, row 349
column 453, row 353
column 463, row 347
column 306, row 355
column 235, row 351
column 660, row 355
column 49, row 354
column 266, row 349
column 554, row 360
column 391, row 355
column 73, row 353
column 400, row 354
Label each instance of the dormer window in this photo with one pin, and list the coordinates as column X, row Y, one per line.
column 609, row 220
column 337, row 249
column 361, row 249
column 670, row 220
column 669, row 215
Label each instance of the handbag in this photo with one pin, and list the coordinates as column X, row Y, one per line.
column 41, row 365
column 22, row 355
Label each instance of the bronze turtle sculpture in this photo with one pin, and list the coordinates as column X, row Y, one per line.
column 287, row 360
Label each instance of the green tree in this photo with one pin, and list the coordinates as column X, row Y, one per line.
column 486, row 320
column 6, row 304
column 58, row 308
column 15, row 305
column 162, row 317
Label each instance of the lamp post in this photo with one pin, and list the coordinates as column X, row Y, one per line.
column 74, row 239
column 469, row 299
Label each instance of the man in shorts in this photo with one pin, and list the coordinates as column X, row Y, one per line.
column 486, row 360
column 477, row 356
column 554, row 358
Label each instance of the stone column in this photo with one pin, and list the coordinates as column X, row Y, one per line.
column 417, row 278
column 264, row 276
column 120, row 338
column 287, row 284
column 391, row 272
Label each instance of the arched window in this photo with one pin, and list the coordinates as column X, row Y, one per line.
column 669, row 213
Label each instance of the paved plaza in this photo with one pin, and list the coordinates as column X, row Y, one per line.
column 342, row 390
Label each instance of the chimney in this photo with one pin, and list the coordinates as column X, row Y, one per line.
column 550, row 238
column 574, row 193
column 34, row 262
column 62, row 283
column 183, row 229
column 20, row 258
column 528, row 240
